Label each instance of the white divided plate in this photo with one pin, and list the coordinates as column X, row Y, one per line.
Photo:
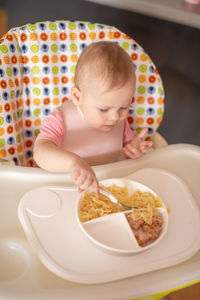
column 112, row 233
column 48, row 217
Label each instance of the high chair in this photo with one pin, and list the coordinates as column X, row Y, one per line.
column 37, row 65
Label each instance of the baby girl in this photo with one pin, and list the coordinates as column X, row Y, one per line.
column 92, row 127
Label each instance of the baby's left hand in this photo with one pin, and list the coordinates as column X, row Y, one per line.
column 138, row 146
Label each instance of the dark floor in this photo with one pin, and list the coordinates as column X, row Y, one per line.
column 174, row 48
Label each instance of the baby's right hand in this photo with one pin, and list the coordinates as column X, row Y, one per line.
column 83, row 176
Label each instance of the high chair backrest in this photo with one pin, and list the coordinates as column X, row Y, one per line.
column 37, row 66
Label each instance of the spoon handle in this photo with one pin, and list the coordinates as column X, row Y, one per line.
column 109, row 195
column 113, row 198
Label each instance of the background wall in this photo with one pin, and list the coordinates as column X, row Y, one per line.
column 174, row 48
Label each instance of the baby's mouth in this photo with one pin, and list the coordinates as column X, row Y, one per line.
column 109, row 126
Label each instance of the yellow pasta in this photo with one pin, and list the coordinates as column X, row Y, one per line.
column 145, row 204
column 91, row 207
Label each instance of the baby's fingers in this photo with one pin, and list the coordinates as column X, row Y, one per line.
column 142, row 133
column 90, row 182
column 80, row 180
column 132, row 152
column 86, row 184
column 95, row 186
column 145, row 146
column 80, row 190
column 75, row 175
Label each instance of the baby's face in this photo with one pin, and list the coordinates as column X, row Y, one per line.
column 103, row 110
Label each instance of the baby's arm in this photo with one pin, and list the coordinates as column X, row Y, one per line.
column 138, row 146
column 51, row 158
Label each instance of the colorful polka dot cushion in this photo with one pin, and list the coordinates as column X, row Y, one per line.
column 37, row 65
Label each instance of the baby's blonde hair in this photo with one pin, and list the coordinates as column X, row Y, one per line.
column 106, row 61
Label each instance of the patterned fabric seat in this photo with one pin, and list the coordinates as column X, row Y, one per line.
column 37, row 66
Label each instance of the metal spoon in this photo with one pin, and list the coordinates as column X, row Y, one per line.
column 114, row 200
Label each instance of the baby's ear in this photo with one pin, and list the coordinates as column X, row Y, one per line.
column 75, row 95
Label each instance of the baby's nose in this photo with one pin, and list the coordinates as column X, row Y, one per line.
column 115, row 116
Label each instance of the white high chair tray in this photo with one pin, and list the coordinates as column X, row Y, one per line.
column 48, row 216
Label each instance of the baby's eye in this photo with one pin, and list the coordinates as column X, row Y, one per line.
column 103, row 109
column 124, row 108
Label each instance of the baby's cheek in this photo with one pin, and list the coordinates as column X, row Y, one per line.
column 96, row 120
column 124, row 114
column 99, row 117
